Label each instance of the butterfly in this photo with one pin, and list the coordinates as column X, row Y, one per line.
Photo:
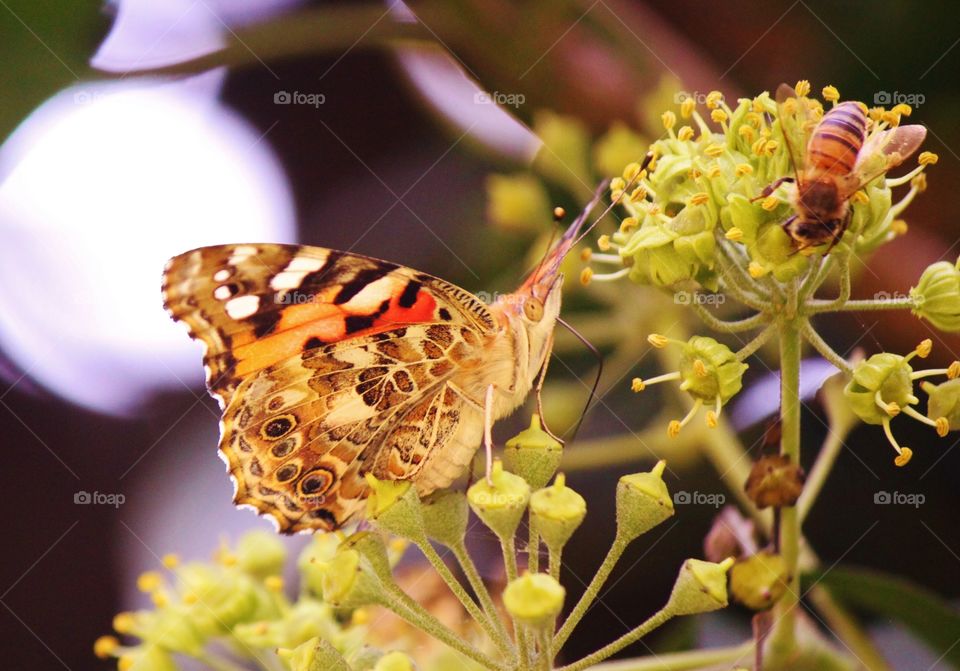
column 330, row 365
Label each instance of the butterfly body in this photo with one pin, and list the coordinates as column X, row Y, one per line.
column 330, row 365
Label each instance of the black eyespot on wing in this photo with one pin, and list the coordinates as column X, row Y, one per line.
column 278, row 427
column 444, row 314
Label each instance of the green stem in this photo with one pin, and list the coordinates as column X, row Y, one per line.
column 591, row 593
column 508, row 545
column 533, row 548
column 724, row 326
column 440, row 566
column 758, row 341
column 410, row 610
column 554, row 562
column 682, row 661
column 545, row 644
column 732, row 276
column 631, row 636
column 827, row 352
column 817, row 306
column 469, row 569
column 783, row 639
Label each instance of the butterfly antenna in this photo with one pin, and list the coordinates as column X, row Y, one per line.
column 616, row 201
column 596, row 382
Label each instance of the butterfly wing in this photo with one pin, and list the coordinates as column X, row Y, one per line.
column 330, row 365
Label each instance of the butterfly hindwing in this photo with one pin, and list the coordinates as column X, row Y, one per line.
column 300, row 435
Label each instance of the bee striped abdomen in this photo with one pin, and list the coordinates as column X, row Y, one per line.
column 837, row 139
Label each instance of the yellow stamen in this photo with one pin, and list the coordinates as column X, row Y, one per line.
column 927, row 158
column 603, row 243
column 149, row 581
column 685, row 133
column 714, row 98
column 125, row 663
column 755, row 270
column 700, row 368
column 924, row 348
column 759, row 146
column 892, row 118
column 123, row 623
column 617, row 184
column 628, row 224
column 744, row 169
column 274, row 583
column 585, row 254
column 714, row 149
column 631, row 171
column 830, row 94
column 712, row 419
column 899, row 227
column 638, row 194
column 105, row 646
column 919, row 182
column 170, row 561
column 586, row 275
column 190, row 598
column 718, row 116
column 657, row 340
column 770, row 203
column 669, row 119
column 943, row 426
column 637, row 385
column 673, row 428
column 802, row 88
column 953, row 370
column 687, row 107
column 771, row 146
column 714, row 172
column 699, row 198
column 906, row 454
column 902, row 108
column 860, row 197
column 359, row 617
column 891, row 408
column 747, row 133
column 159, row 599
column 735, row 234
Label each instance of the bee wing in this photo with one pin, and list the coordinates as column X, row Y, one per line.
column 795, row 125
column 886, row 150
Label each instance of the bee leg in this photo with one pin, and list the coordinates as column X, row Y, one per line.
column 770, row 188
column 488, row 431
column 838, row 232
column 539, row 390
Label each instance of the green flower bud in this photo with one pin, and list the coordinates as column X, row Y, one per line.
column 701, row 587
column 146, row 658
column 500, row 503
column 944, row 401
column 395, row 507
column 709, row 369
column 395, row 661
column 306, row 619
column 517, row 202
column 534, row 599
column 445, row 514
column 349, row 581
column 759, row 581
column 260, row 554
column 886, row 373
column 371, row 547
column 774, row 252
column 936, row 297
column 533, row 454
column 219, row 597
column 365, row 658
column 643, row 502
column 322, row 548
column 681, row 249
column 313, row 655
column 174, row 628
column 556, row 512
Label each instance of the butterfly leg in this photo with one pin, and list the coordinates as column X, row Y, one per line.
column 488, row 431
column 539, row 390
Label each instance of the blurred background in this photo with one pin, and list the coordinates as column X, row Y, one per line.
column 135, row 130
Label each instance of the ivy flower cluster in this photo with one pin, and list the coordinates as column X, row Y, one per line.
column 236, row 608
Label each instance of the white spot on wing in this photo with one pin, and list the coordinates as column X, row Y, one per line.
column 299, row 267
column 242, row 307
column 221, row 275
column 222, row 293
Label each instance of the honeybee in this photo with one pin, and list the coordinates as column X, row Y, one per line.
column 837, row 162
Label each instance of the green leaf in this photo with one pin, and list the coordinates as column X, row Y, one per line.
column 921, row 611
